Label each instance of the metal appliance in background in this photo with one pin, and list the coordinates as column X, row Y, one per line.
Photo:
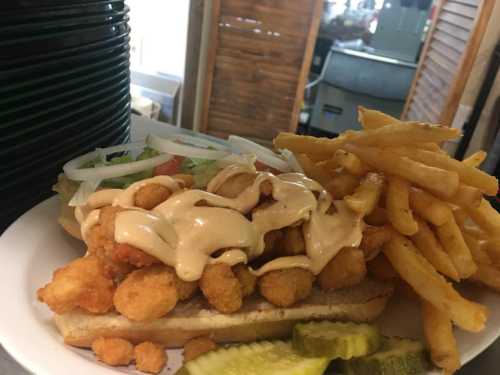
column 376, row 76
column 64, row 90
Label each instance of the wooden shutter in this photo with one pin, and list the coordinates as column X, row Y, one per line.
column 447, row 58
column 257, row 67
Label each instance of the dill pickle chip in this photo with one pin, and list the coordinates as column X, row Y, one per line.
column 259, row 358
column 395, row 357
column 335, row 339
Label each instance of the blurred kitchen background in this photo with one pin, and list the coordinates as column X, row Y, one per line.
column 257, row 68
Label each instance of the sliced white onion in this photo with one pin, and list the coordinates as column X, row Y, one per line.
column 247, row 160
column 85, row 189
column 264, row 155
column 292, row 160
column 73, row 172
column 200, row 142
column 172, row 147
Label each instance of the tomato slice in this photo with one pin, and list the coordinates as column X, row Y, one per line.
column 170, row 167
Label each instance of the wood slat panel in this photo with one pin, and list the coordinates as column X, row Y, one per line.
column 431, row 94
column 445, row 50
column 468, row 2
column 425, row 103
column 442, row 60
column 464, row 10
column 455, row 43
column 437, row 70
column 255, row 8
column 436, row 82
column 457, row 32
column 457, row 20
column 267, row 23
column 225, row 123
column 424, row 108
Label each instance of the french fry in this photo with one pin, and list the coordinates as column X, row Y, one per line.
column 377, row 217
column 398, row 206
column 486, row 217
column 466, row 197
column 430, row 178
column 350, row 163
column 390, row 135
column 431, row 249
column 475, row 159
column 460, row 216
column 479, row 255
column 429, row 207
column 453, row 242
column 468, row 175
column 312, row 170
column 488, row 275
column 492, row 247
column 431, row 286
column 341, row 185
column 438, row 332
column 373, row 240
column 372, row 119
column 366, row 196
column 381, row 269
column 474, row 231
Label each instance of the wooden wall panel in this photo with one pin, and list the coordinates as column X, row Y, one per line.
column 261, row 57
column 446, row 61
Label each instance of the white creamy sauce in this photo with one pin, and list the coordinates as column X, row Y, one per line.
column 186, row 229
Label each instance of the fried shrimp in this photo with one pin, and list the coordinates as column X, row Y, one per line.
column 246, row 279
column 146, row 294
column 150, row 357
column 113, row 351
column 100, row 240
column 346, row 269
column 82, row 283
column 185, row 289
column 197, row 346
column 151, row 195
column 221, row 288
column 235, row 185
column 285, row 287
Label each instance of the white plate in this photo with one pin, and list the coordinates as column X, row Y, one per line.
column 35, row 245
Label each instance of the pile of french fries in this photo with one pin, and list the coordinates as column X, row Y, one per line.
column 428, row 224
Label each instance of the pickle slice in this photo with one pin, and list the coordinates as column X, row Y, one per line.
column 395, row 357
column 259, row 358
column 335, row 339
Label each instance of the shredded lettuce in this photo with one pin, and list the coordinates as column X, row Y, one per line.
column 202, row 170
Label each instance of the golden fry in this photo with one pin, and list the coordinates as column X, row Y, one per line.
column 349, row 162
column 312, row 170
column 390, row 135
column 475, row 159
column 377, row 217
column 341, row 185
column 430, row 208
column 479, row 255
column 492, row 247
column 372, row 119
column 488, row 275
column 431, row 249
column 452, row 240
column 430, row 178
column 398, row 206
column 366, row 196
column 486, row 217
column 431, row 286
column 468, row 175
column 460, row 216
column 466, row 197
column 474, row 232
column 373, row 240
column 438, row 332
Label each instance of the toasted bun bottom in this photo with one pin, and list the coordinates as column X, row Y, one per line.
column 67, row 220
column 257, row 319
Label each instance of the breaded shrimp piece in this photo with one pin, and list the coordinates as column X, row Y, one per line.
column 221, row 288
column 113, row 351
column 150, row 357
column 146, row 294
column 126, row 253
column 346, row 269
column 246, row 279
column 235, row 185
column 185, row 289
column 285, row 287
column 82, row 283
column 196, row 347
column 151, row 195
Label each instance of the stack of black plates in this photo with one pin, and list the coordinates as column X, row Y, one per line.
column 64, row 90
